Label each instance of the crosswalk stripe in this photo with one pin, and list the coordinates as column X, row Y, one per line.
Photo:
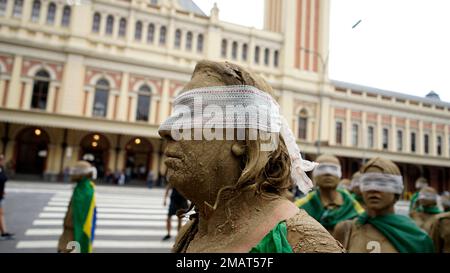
column 102, row 232
column 110, row 205
column 115, row 201
column 161, row 217
column 115, row 210
column 99, row 244
column 100, row 222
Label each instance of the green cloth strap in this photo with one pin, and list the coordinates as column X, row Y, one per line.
column 330, row 217
column 401, row 231
column 429, row 210
column 358, row 198
column 82, row 198
column 412, row 204
column 275, row 241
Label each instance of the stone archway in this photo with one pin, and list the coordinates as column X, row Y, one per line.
column 138, row 158
column 31, row 151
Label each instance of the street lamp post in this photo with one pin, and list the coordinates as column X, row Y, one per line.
column 324, row 63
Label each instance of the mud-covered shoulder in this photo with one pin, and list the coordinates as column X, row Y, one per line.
column 306, row 235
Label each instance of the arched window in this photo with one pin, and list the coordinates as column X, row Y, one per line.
column 65, row 21
column 234, row 49
column 162, row 35
column 17, row 8
column 200, row 43
column 150, row 33
column 266, row 56
column 189, row 41
column 122, row 27
column 100, row 106
column 143, row 105
column 51, row 10
column 3, row 5
column 276, row 56
column 36, row 11
column 138, row 31
column 224, row 48
column 303, row 125
column 177, row 42
column 40, row 90
column 96, row 22
column 244, row 52
column 257, row 50
column 109, row 25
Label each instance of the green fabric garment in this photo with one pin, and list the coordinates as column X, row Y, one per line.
column 275, row 241
column 82, row 198
column 429, row 210
column 358, row 198
column 412, row 204
column 329, row 218
column 401, row 231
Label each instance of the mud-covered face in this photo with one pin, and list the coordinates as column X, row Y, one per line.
column 377, row 200
column 327, row 181
column 427, row 202
column 199, row 168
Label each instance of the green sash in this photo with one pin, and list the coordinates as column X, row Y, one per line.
column 358, row 198
column 412, row 204
column 329, row 218
column 401, row 231
column 84, row 214
column 275, row 241
column 429, row 210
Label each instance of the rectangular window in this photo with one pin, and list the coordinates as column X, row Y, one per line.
column 413, row 142
column 399, row 140
column 370, row 135
column 302, row 127
column 355, row 135
column 439, row 145
column 339, row 132
column 426, row 144
column 17, row 8
column 385, row 138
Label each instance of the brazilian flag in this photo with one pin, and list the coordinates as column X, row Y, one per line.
column 84, row 213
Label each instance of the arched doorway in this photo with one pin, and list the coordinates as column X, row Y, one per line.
column 31, row 151
column 138, row 158
column 95, row 149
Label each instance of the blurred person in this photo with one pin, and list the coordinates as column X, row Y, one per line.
column 81, row 216
column 445, row 201
column 345, row 184
column 421, row 183
column 5, row 235
column 379, row 229
column 150, row 179
column 177, row 202
column 355, row 189
column 426, row 208
column 440, row 232
column 329, row 204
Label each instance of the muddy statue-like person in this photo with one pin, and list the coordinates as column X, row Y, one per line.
column 329, row 204
column 236, row 184
column 379, row 229
column 426, row 208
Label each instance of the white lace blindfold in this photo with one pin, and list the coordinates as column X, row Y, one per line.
column 381, row 182
column 235, row 107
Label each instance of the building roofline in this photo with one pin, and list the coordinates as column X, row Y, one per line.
column 374, row 90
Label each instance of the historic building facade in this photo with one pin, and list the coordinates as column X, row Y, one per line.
column 93, row 79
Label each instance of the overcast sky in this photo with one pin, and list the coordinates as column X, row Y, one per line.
column 400, row 45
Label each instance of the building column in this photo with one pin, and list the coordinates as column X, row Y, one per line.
column 164, row 103
column 433, row 140
column 364, row 136
column 26, row 11
column 446, row 142
column 393, row 135
column 15, row 84
column 420, row 139
column 379, row 134
column 348, row 128
column 332, row 128
column 407, row 136
column 28, row 94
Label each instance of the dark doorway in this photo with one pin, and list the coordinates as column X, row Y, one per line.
column 95, row 150
column 31, row 151
column 138, row 159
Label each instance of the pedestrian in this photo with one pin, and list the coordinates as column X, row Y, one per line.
column 420, row 184
column 121, row 179
column 3, row 178
column 150, row 179
column 379, row 229
column 329, row 204
column 80, row 219
column 177, row 202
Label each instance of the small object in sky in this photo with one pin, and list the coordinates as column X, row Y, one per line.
column 357, row 23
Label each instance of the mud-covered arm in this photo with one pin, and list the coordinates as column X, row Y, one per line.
column 67, row 235
column 342, row 232
column 306, row 235
column 435, row 234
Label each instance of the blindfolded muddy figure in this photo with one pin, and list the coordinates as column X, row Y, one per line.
column 329, row 204
column 440, row 227
column 426, row 208
column 237, row 186
column 379, row 229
